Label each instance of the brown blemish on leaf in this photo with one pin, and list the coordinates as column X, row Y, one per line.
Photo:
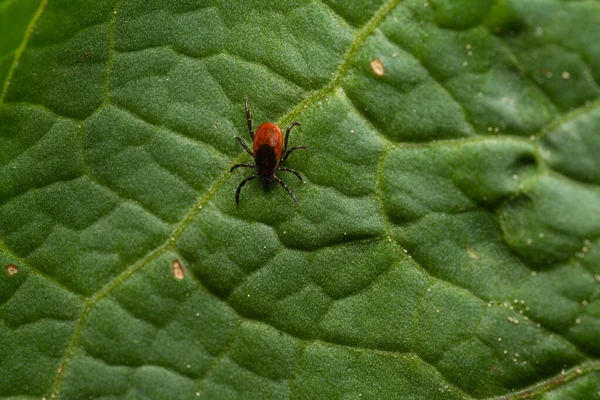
column 177, row 270
column 377, row 67
column 11, row 270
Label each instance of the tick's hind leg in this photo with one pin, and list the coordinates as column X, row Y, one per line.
column 240, row 186
column 293, row 171
column 286, row 188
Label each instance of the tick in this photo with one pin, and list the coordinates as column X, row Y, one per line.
column 269, row 152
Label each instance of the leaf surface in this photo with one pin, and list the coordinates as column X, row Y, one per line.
column 445, row 244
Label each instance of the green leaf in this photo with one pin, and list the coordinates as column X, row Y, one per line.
column 446, row 244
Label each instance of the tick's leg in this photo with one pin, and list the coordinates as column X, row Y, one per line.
column 292, row 171
column 287, row 153
column 240, row 186
column 286, row 188
column 287, row 134
column 241, row 165
column 244, row 145
column 249, row 119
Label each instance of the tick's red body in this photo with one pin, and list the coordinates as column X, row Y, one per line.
column 267, row 144
column 269, row 134
column 269, row 151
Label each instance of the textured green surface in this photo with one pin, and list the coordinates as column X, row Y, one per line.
column 446, row 244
